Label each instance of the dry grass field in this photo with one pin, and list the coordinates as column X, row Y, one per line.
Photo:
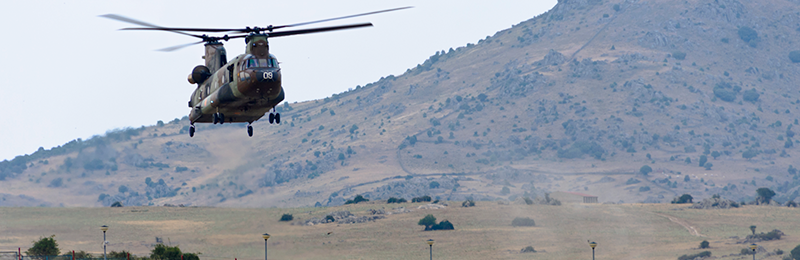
column 623, row 231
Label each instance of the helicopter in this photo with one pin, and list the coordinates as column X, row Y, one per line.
column 247, row 87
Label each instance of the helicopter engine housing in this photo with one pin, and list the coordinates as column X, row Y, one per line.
column 200, row 73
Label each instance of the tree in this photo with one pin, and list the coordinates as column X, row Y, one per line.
column 44, row 247
column 505, row 191
column 750, row 95
column 764, row 195
column 685, row 198
column 704, row 244
column 116, row 204
column 794, row 56
column 356, row 200
column 123, row 189
column 796, row 252
column 645, row 170
column 433, row 185
column 749, row 154
column 428, row 221
column 715, row 154
column 686, row 178
column 703, row 160
column 287, row 217
column 163, row 252
column 753, row 229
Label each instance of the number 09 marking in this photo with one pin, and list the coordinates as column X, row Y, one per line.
column 267, row 75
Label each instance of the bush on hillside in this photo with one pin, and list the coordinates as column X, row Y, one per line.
column 700, row 255
column 795, row 252
column 527, row 200
column 794, row 56
column 396, row 200
column 704, row 244
column 679, row 55
column 468, row 203
column 645, row 170
column 444, row 225
column 425, row 198
column 528, row 249
column 750, row 95
column 685, row 198
column 356, row 200
column 724, row 94
column 523, row 222
column 287, row 217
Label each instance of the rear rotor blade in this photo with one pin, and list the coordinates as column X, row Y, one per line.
column 339, row 18
column 316, row 30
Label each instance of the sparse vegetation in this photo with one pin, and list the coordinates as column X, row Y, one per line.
column 45, row 246
column 425, row 198
column 704, row 244
column 396, row 200
column 523, row 222
column 700, row 255
column 356, row 200
column 685, row 198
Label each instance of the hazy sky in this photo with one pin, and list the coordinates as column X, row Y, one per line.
column 68, row 73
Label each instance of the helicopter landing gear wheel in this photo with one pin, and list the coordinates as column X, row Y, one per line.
column 191, row 131
column 221, row 118
column 277, row 118
column 249, row 130
column 216, row 119
column 271, row 118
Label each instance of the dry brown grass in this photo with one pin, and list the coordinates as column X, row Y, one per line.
column 627, row 231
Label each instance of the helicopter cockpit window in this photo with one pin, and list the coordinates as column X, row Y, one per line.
column 253, row 62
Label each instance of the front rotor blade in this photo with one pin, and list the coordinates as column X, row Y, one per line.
column 184, row 29
column 137, row 22
column 339, row 18
column 174, row 48
column 316, row 30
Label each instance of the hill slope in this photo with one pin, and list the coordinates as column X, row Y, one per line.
column 576, row 99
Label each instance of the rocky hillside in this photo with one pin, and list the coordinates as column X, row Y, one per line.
column 701, row 92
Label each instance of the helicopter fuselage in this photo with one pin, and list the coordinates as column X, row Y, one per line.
column 243, row 89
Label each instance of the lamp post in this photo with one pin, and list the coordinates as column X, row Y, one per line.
column 430, row 244
column 104, row 228
column 265, row 236
column 593, row 245
column 753, row 247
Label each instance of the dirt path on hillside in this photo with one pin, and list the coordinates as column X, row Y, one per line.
column 683, row 223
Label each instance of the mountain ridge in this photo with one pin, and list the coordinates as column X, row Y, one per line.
column 590, row 88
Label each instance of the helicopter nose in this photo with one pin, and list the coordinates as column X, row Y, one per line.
column 268, row 75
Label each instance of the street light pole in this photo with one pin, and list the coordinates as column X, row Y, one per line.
column 593, row 245
column 104, row 228
column 753, row 247
column 430, row 244
column 265, row 236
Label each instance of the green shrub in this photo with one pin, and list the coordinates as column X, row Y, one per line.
column 679, row 55
column 287, row 217
column 163, row 252
column 772, row 235
column 468, row 203
column 396, row 200
column 527, row 200
column 685, row 198
column 700, row 255
column 425, row 198
column 747, row 34
column 794, row 56
column 356, row 200
column 45, row 246
column 428, row 221
column 645, row 170
column 330, row 218
column 523, row 222
column 749, row 154
column 444, row 225
column 795, row 252
column 724, row 94
column 750, row 95
column 704, row 244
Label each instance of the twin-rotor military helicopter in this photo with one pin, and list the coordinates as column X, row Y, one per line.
column 246, row 87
